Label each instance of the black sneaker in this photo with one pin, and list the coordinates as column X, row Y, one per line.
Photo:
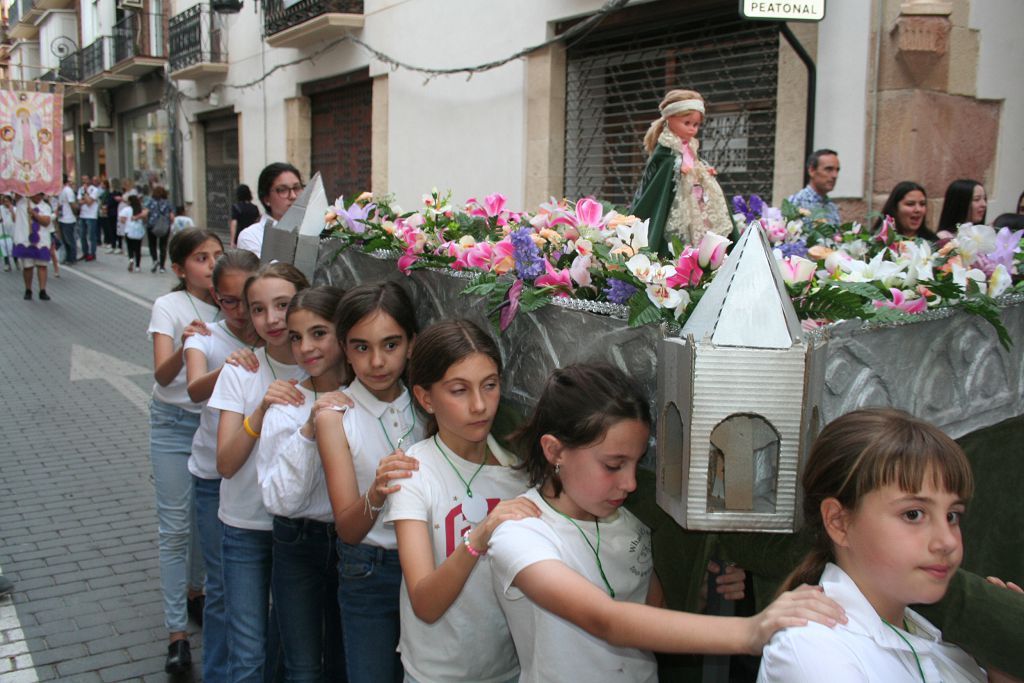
column 179, row 657
column 43, row 296
column 28, row 295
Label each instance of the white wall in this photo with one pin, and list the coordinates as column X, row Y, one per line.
column 57, row 23
column 999, row 65
column 844, row 52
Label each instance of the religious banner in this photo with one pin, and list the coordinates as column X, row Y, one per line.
column 30, row 143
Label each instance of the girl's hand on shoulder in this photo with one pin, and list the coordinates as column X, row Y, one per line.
column 245, row 359
column 395, row 465
column 513, row 509
column 195, row 327
column 283, row 392
column 793, row 608
column 730, row 584
column 1008, row 585
column 332, row 402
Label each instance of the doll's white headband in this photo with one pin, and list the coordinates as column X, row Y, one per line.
column 679, row 107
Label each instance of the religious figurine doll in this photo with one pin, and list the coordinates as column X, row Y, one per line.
column 678, row 192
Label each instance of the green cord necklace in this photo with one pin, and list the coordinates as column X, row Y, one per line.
column 196, row 310
column 912, row 650
column 596, row 551
column 473, row 509
column 380, row 420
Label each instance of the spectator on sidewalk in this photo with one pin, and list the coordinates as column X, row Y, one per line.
column 7, row 231
column 279, row 185
column 180, row 220
column 67, row 204
column 158, row 226
column 243, row 212
column 823, row 170
column 88, row 213
column 114, row 200
column 965, row 202
column 32, row 240
column 108, row 218
column 908, row 206
column 130, row 224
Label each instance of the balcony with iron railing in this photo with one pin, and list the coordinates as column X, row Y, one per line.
column 23, row 16
column 138, row 44
column 196, row 44
column 97, row 59
column 303, row 23
column 70, row 68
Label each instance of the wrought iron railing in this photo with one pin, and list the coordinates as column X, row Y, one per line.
column 194, row 37
column 50, row 75
column 95, row 57
column 70, row 68
column 282, row 14
column 138, row 35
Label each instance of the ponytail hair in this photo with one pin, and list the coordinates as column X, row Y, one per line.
column 183, row 243
column 861, row 452
column 658, row 125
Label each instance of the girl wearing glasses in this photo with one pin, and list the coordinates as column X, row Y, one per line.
column 279, row 185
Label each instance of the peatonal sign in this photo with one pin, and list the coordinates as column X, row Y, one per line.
column 783, row 10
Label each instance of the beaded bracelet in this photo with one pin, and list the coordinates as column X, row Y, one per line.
column 469, row 547
column 370, row 509
column 248, row 428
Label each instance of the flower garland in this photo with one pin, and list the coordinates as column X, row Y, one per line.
column 587, row 250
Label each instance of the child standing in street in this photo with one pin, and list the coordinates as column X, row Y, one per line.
column 129, row 221
column 363, row 462
column 204, row 358
column 577, row 583
column 174, row 418
column 445, row 513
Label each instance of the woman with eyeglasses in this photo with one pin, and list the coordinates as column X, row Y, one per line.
column 279, row 185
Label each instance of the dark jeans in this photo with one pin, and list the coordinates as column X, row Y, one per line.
column 108, row 225
column 134, row 250
column 304, row 584
column 67, row 236
column 90, row 235
column 156, row 243
column 369, row 585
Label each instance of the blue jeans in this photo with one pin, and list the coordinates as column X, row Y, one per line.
column 304, row 584
column 90, row 235
column 67, row 236
column 215, row 639
column 246, row 557
column 181, row 565
column 369, row 583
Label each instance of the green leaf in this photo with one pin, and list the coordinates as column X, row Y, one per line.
column 482, row 285
column 831, row 303
column 642, row 311
column 875, row 291
column 532, row 299
column 986, row 307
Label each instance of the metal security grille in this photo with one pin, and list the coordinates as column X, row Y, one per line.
column 616, row 78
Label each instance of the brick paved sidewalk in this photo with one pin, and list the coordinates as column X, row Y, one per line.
column 78, row 530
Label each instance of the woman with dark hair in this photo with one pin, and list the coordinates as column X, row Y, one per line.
column 908, row 206
column 279, row 185
column 158, row 226
column 243, row 212
column 965, row 202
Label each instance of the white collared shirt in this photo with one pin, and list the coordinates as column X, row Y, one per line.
column 865, row 649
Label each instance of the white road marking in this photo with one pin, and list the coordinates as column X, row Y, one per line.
column 89, row 364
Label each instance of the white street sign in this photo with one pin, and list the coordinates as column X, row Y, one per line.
column 783, row 10
column 89, row 364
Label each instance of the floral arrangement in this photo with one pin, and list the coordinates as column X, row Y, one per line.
column 588, row 250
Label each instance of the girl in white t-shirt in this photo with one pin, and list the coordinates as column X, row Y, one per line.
column 204, row 357
column 304, row 576
column 445, row 513
column 883, row 496
column 577, row 584
column 249, row 383
column 362, row 456
column 174, row 418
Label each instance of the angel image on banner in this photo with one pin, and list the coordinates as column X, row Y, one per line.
column 30, row 154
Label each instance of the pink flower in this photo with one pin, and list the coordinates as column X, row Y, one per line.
column 511, row 305
column 796, row 269
column 406, row 260
column 888, row 223
column 559, row 279
column 580, row 270
column 711, row 251
column 902, row 303
column 497, row 258
column 688, row 270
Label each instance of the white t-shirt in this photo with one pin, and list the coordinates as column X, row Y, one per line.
column 865, row 648
column 132, row 229
column 241, row 391
column 171, row 315
column 288, row 468
column 543, row 639
column 43, row 208
column 251, row 238
column 373, row 429
column 90, row 210
column 67, row 196
column 471, row 641
column 216, row 346
column 180, row 223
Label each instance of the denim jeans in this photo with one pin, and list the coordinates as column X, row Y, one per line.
column 181, row 564
column 90, row 235
column 246, row 559
column 369, row 583
column 305, row 588
column 67, row 236
column 211, row 529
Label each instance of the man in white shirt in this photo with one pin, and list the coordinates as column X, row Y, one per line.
column 67, row 220
column 89, row 213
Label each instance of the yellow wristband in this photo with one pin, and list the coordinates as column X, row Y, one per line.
column 248, row 429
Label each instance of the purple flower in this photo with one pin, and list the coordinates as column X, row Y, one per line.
column 1007, row 245
column 751, row 210
column 798, row 248
column 529, row 262
column 618, row 291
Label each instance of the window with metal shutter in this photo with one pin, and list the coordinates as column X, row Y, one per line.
column 617, row 77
